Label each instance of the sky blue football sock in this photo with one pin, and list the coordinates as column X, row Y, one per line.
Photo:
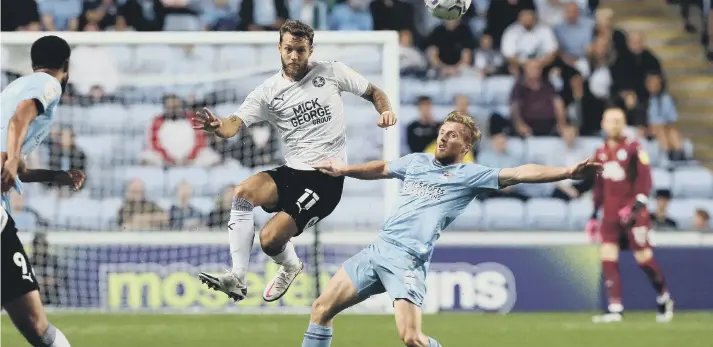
column 318, row 336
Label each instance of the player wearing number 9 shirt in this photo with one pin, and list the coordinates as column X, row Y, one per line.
column 28, row 106
column 622, row 193
column 303, row 101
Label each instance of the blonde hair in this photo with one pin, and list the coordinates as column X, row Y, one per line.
column 472, row 130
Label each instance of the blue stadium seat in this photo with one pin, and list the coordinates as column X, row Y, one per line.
column 682, row 211
column 182, row 22
column 412, row 88
column 236, row 56
column 224, row 110
column 661, row 179
column 152, row 58
column 79, row 213
column 407, row 114
column 546, row 214
column 465, row 85
column 99, row 148
column 109, row 210
column 230, row 173
column 45, row 206
column 540, row 149
column 154, row 178
column 580, row 211
column 142, row 114
column 356, row 213
column 261, row 217
column 470, row 220
column 204, row 204
column 591, row 143
column 355, row 187
column 196, row 176
column 692, row 182
column 124, row 56
column 516, row 147
column 503, row 214
column 365, row 59
column 497, row 90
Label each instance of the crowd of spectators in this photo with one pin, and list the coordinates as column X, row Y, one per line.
column 568, row 60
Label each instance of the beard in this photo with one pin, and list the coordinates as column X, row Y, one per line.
column 294, row 71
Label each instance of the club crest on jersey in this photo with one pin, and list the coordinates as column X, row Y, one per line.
column 318, row 81
column 446, row 176
column 621, row 155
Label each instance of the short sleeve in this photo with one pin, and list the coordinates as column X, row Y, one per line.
column 482, row 177
column 508, row 46
column 253, row 109
column 397, row 168
column 549, row 39
column 43, row 88
column 349, row 80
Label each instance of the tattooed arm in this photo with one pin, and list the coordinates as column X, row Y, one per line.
column 229, row 126
column 377, row 97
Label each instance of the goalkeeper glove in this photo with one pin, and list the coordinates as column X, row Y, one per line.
column 628, row 214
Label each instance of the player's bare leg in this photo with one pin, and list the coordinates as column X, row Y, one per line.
column 275, row 242
column 609, row 254
column 645, row 258
column 258, row 190
column 339, row 295
column 408, row 323
column 28, row 315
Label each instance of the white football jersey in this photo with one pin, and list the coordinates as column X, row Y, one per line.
column 308, row 113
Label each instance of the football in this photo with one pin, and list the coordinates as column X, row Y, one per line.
column 447, row 9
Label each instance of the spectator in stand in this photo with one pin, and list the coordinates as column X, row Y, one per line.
column 64, row 154
column 659, row 217
column 60, row 15
column 640, row 62
column 20, row 15
column 144, row 15
column 535, row 107
column 488, row 61
column 501, row 14
column 393, row 15
column 412, row 60
column 221, row 212
column 183, row 216
column 256, row 15
column 312, row 12
column 351, row 15
column 497, row 155
column 421, row 133
column 220, row 15
column 552, row 12
column 101, row 13
column 662, row 116
column 571, row 152
column 139, row 213
column 526, row 40
column 25, row 217
column 708, row 31
column 94, row 69
column 462, row 104
column 605, row 27
column 701, row 220
column 173, row 141
column 575, row 35
column 50, row 273
column 450, row 48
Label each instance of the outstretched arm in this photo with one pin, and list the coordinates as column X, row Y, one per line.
column 229, row 127
column 373, row 170
column 378, row 98
column 533, row 173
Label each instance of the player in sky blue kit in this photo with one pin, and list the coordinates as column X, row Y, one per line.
column 435, row 191
column 28, row 105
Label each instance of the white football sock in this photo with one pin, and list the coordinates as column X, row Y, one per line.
column 288, row 257
column 60, row 340
column 241, row 235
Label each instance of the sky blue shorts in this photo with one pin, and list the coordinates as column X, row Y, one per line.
column 384, row 267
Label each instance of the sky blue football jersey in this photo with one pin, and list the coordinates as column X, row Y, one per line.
column 40, row 86
column 430, row 199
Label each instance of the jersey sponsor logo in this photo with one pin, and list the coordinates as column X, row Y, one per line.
column 417, row 188
column 612, row 170
column 318, row 81
column 311, row 111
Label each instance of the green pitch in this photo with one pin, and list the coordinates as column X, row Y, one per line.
column 452, row 330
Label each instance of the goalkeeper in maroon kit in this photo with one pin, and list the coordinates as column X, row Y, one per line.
column 622, row 192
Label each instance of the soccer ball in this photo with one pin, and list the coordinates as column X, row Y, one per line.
column 447, row 9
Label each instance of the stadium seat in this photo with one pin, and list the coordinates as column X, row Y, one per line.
column 152, row 58
column 412, row 89
column 471, row 218
column 99, row 148
column 261, row 217
column 497, row 90
column 365, row 59
column 205, row 204
column 109, row 210
column 540, row 149
column 45, row 206
column 230, row 173
column 79, row 213
column 652, row 148
column 182, row 22
column 580, row 211
column 196, row 176
column 362, row 213
column 465, row 85
column 124, row 56
column 503, row 214
column 692, row 182
column 591, row 143
column 236, row 56
column 546, row 214
column 355, row 187
column 154, row 178
column 682, row 211
column 407, row 114
column 661, row 179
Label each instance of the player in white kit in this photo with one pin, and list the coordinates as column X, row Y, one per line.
column 304, row 102
column 28, row 106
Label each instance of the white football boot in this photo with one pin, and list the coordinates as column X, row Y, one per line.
column 226, row 283
column 612, row 315
column 664, row 305
column 276, row 288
